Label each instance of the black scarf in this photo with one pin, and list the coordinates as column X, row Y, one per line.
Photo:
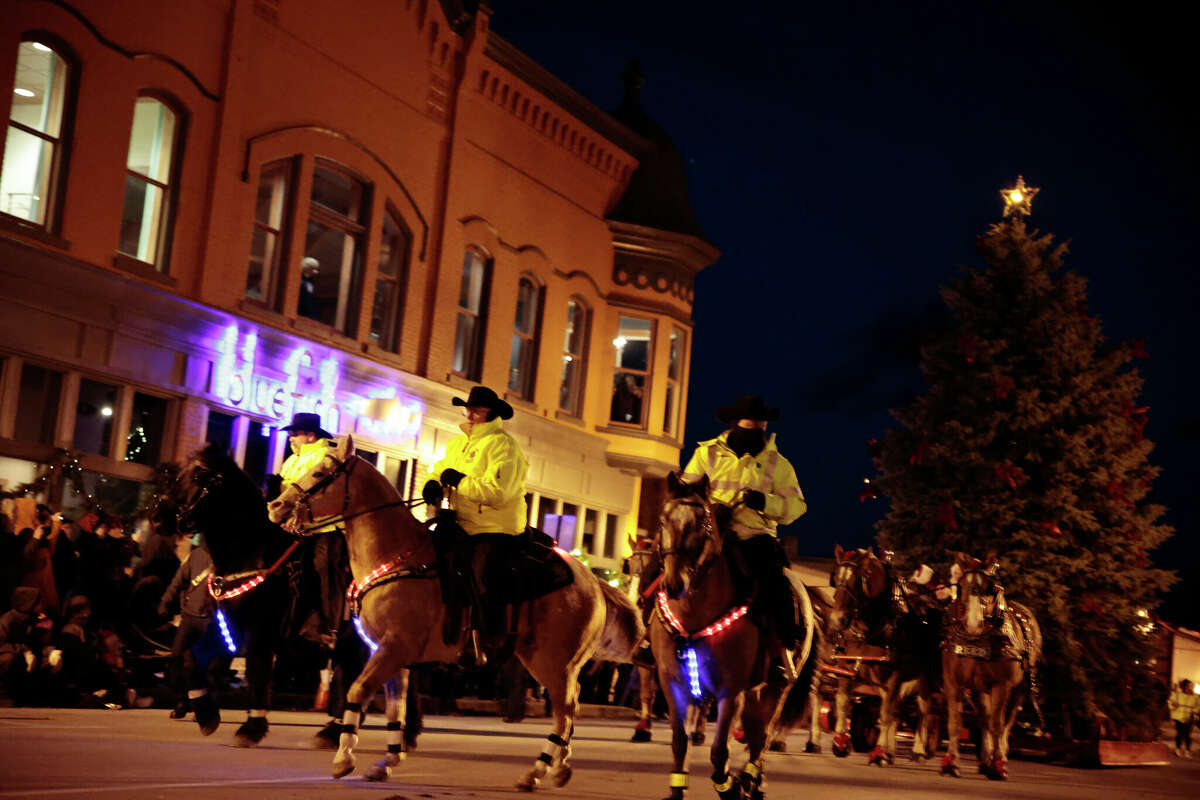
column 746, row 440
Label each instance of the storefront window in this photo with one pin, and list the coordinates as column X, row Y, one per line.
column 143, row 443
column 220, row 430
column 115, row 496
column 94, row 417
column 589, row 531
column 546, row 505
column 369, row 456
column 37, row 404
column 611, row 523
column 258, row 452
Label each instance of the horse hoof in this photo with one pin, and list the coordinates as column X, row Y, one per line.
column 376, row 773
column 777, row 747
column 950, row 770
column 809, row 747
column 561, row 776
column 527, row 784
column 840, row 751
column 640, row 735
column 207, row 714
column 918, row 758
column 251, row 732
column 698, row 738
column 342, row 768
column 327, row 738
column 999, row 771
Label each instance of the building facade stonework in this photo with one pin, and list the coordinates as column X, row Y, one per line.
column 216, row 214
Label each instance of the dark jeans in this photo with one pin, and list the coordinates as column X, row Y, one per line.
column 188, row 672
column 764, row 559
column 491, row 557
column 1183, row 735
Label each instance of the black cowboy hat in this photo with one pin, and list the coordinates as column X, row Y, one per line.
column 304, row 421
column 485, row 397
column 748, row 406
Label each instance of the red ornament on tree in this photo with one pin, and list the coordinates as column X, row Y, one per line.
column 1012, row 475
column 868, row 493
column 1050, row 528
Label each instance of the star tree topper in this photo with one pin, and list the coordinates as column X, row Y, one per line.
column 1018, row 199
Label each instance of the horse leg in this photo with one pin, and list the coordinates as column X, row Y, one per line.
column 696, row 717
column 1016, row 699
column 759, row 714
column 920, row 749
column 884, row 751
column 723, row 783
column 813, row 745
column 841, row 738
column 988, row 727
column 677, row 710
column 997, row 768
column 647, row 688
column 260, row 659
column 384, row 663
column 397, row 689
column 953, row 721
column 564, row 700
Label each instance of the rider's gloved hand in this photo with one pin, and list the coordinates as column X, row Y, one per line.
column 451, row 477
column 432, row 493
column 754, row 500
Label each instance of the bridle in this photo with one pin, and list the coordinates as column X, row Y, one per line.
column 708, row 529
column 183, row 514
column 303, row 505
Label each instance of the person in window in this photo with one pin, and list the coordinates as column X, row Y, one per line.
column 627, row 401
column 757, row 490
column 484, row 469
column 309, row 269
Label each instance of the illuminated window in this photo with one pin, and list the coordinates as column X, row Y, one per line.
column 97, row 406
column 31, row 177
column 633, row 349
column 331, row 271
column 523, row 358
column 268, row 242
column 146, row 214
column 143, row 441
column 387, row 308
column 471, row 321
column 678, row 346
column 570, row 392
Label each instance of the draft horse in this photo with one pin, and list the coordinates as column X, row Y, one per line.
column 989, row 646
column 873, row 637
column 705, row 645
column 254, row 567
column 400, row 607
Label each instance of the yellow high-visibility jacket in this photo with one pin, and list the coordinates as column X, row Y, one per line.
column 728, row 476
column 299, row 464
column 491, row 498
column 1184, row 705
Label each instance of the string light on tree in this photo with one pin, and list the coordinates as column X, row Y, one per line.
column 1018, row 199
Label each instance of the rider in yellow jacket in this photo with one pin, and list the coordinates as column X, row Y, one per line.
column 486, row 469
column 748, row 475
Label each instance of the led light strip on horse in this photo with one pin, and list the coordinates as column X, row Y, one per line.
column 684, row 650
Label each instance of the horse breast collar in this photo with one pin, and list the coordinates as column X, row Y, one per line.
column 218, row 585
column 386, row 572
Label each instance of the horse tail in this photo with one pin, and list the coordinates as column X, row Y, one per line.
column 623, row 628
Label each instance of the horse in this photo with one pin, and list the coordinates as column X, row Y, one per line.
column 801, row 705
column 989, row 646
column 705, row 644
column 873, row 637
column 401, row 610
column 254, row 564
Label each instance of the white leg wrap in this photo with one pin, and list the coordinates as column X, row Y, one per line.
column 350, row 722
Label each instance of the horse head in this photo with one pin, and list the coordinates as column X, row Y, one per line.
column 979, row 596
column 323, row 492
column 859, row 578
column 687, row 534
column 213, row 496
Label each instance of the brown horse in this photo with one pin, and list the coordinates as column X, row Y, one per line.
column 874, row 638
column 989, row 646
column 705, row 644
column 401, row 610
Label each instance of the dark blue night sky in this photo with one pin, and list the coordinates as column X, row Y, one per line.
column 844, row 156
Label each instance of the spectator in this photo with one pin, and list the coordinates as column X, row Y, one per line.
column 1185, row 706
column 18, row 659
column 37, row 565
column 196, row 606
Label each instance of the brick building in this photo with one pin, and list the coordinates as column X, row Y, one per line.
column 217, row 213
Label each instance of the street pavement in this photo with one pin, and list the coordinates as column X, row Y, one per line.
column 141, row 754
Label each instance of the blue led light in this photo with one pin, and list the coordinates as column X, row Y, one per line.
column 363, row 635
column 693, row 671
column 229, row 643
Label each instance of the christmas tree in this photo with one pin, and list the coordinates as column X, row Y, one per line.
column 1030, row 444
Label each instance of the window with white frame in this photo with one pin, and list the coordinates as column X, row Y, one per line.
column 677, row 348
column 331, row 270
column 471, row 321
column 633, row 350
column 570, row 392
column 146, row 214
column 523, row 357
column 387, row 307
column 268, row 242
column 31, row 177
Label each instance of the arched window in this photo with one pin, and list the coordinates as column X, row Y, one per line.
column 574, row 367
column 268, row 242
column 331, row 271
column 522, row 360
column 471, row 321
column 387, row 308
column 149, row 182
column 32, row 176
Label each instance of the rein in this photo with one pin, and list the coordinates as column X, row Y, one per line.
column 315, row 525
column 216, row 583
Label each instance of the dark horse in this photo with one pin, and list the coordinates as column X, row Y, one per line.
column 254, row 566
column 705, row 644
column 875, row 637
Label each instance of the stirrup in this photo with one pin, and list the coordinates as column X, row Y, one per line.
column 473, row 655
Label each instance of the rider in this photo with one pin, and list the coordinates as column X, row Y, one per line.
column 747, row 473
column 486, row 468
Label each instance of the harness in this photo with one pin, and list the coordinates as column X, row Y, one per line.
column 857, row 633
column 386, row 572
column 306, row 495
